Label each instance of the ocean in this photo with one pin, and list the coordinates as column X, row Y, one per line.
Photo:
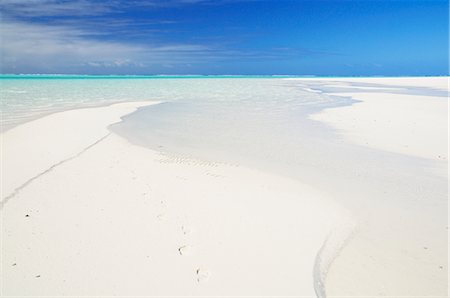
column 27, row 97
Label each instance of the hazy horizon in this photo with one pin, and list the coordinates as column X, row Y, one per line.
column 193, row 76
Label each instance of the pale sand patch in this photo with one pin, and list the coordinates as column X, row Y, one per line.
column 33, row 147
column 407, row 124
column 441, row 83
column 351, row 86
column 118, row 219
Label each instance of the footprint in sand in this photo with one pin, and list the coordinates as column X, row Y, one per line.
column 186, row 230
column 202, row 275
column 185, row 250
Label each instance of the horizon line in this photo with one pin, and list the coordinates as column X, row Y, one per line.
column 217, row 75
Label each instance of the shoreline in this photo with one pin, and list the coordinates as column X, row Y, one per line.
column 55, row 176
column 412, row 125
column 21, row 138
column 66, row 109
column 413, row 137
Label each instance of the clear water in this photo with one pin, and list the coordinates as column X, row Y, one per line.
column 26, row 97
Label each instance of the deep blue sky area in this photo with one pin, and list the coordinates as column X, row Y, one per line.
column 324, row 38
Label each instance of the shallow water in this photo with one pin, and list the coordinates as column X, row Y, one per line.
column 223, row 119
column 26, row 97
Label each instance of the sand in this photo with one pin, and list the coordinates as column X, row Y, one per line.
column 87, row 213
column 400, row 247
column 414, row 125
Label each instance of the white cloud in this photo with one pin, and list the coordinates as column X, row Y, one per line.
column 42, row 46
column 40, row 8
column 29, row 47
column 36, row 8
column 71, row 41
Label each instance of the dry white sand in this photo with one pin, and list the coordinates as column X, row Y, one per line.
column 392, row 82
column 415, row 125
column 87, row 213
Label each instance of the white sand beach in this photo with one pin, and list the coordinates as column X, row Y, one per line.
column 87, row 213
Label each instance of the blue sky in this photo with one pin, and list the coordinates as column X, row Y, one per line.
column 346, row 38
